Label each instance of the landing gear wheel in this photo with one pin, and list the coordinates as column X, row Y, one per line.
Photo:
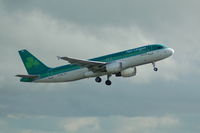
column 155, row 69
column 98, row 79
column 154, row 66
column 108, row 82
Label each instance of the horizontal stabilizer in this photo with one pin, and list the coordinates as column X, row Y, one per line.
column 28, row 76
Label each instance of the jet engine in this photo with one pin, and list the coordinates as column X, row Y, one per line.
column 127, row 72
column 114, row 67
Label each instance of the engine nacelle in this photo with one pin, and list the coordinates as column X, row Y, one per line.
column 114, row 67
column 129, row 72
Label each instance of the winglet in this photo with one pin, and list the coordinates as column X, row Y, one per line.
column 59, row 57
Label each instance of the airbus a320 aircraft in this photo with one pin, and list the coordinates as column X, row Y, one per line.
column 121, row 64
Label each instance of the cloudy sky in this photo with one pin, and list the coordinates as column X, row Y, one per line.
column 167, row 101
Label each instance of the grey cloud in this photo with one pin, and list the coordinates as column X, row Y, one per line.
column 66, row 100
column 112, row 12
column 114, row 124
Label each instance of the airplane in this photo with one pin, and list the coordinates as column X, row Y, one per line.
column 121, row 64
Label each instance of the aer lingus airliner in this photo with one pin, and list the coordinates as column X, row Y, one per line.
column 121, row 64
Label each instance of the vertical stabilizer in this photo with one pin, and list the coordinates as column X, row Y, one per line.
column 32, row 64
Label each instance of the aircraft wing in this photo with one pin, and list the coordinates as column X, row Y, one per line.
column 28, row 76
column 94, row 66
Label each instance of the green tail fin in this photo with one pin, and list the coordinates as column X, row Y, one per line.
column 32, row 64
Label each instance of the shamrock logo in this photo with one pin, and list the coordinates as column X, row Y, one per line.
column 30, row 62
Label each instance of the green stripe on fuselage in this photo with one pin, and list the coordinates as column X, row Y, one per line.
column 106, row 58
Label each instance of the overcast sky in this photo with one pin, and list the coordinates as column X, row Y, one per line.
column 166, row 101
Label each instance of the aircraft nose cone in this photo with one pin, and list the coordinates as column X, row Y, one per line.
column 171, row 51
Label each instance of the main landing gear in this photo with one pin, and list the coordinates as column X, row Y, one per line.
column 98, row 79
column 107, row 82
column 154, row 66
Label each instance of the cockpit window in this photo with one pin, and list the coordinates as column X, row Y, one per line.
column 157, row 47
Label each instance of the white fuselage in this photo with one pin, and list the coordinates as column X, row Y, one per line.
column 133, row 61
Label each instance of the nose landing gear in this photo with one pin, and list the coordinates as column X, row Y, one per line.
column 154, row 67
